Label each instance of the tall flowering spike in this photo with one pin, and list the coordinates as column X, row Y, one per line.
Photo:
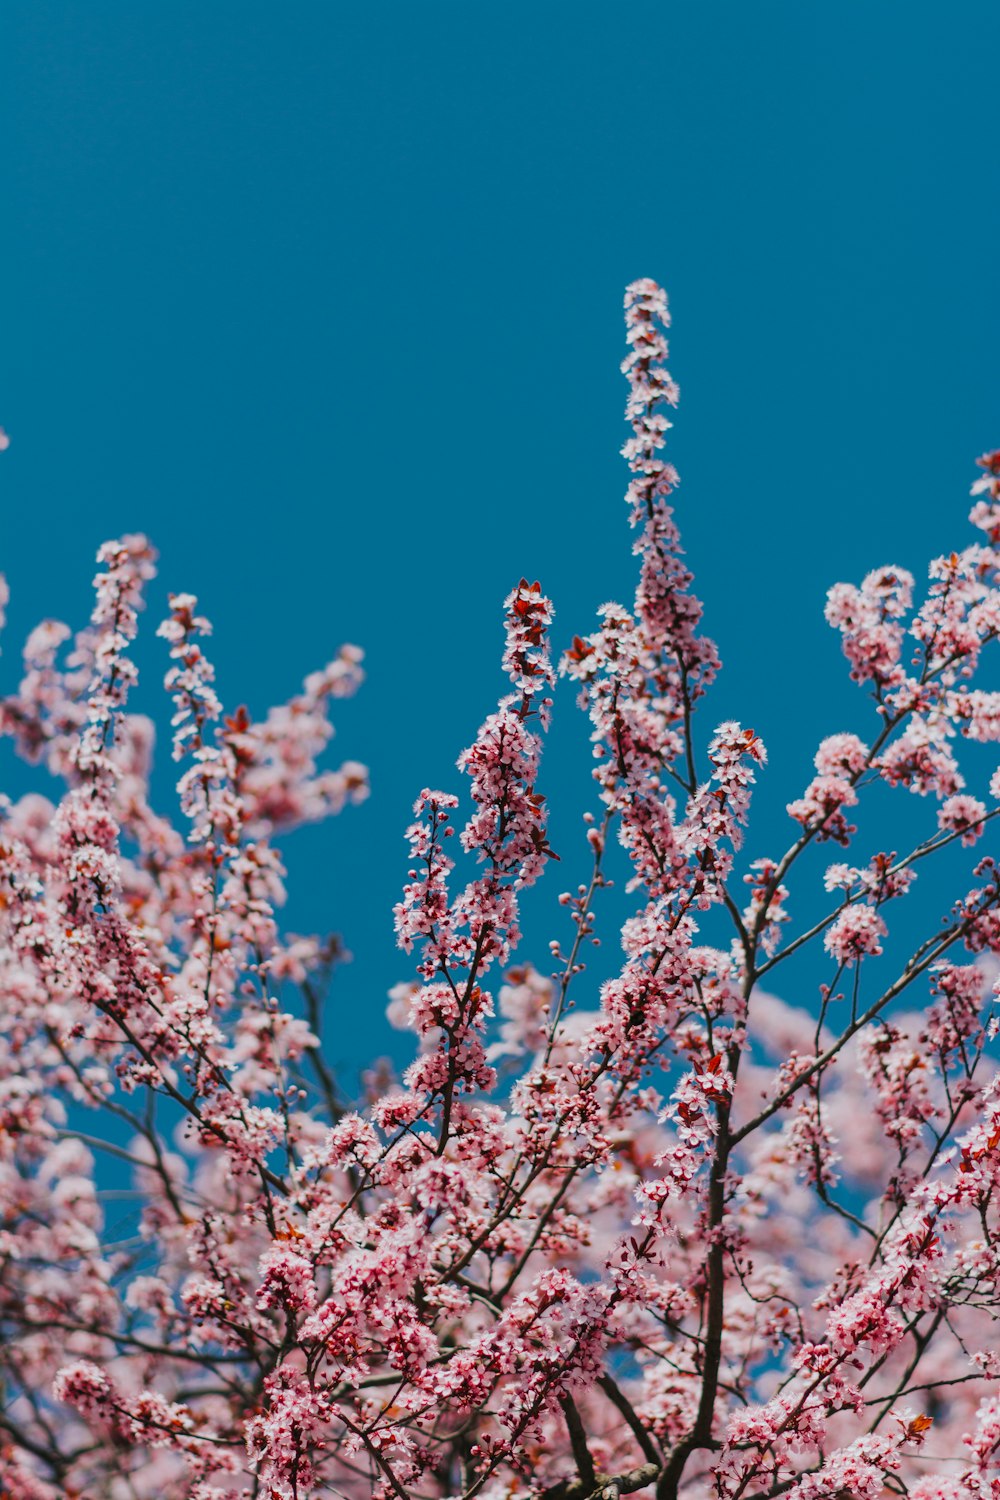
column 190, row 681
column 719, row 810
column 507, row 829
column 424, row 914
column 237, row 883
column 642, row 673
column 86, row 825
column 206, row 790
column 113, row 975
column 128, row 565
column 665, row 608
column 462, row 938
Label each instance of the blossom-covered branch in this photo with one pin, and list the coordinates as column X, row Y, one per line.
column 664, row 1234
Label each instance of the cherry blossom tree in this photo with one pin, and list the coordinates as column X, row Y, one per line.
column 669, row 1235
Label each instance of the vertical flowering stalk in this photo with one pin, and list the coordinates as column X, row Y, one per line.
column 235, row 883
column 462, row 938
column 667, row 612
column 116, row 977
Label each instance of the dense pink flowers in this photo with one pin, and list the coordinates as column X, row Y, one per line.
column 666, row 1234
column 858, row 930
column 869, row 618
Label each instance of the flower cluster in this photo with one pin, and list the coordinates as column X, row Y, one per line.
column 664, row 1234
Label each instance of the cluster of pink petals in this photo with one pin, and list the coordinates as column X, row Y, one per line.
column 661, row 1233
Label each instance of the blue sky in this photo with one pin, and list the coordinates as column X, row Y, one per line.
column 327, row 299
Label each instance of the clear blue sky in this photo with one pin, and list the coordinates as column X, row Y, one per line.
column 326, row 298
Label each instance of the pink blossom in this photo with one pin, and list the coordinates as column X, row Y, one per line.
column 857, row 932
column 820, row 807
column 645, row 1228
column 963, row 814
